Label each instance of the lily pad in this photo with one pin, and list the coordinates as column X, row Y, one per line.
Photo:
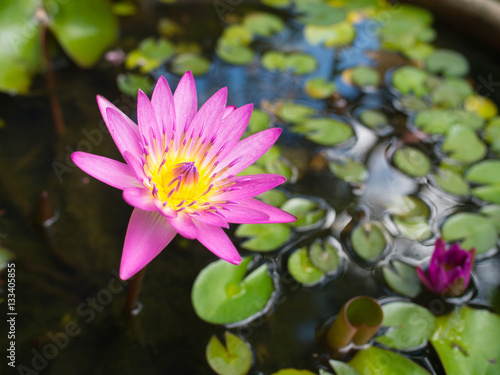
column 332, row 35
column 258, row 121
column 412, row 161
column 440, row 121
column 489, row 193
column 378, row 361
column 222, row 294
column 365, row 76
column 150, row 54
column 349, row 170
column 484, row 107
column 341, row 368
column 448, row 63
column 409, row 326
column 307, row 211
column 492, row 134
column 301, row 268
column 294, row 112
column 273, row 197
column 324, row 255
column 472, row 229
column 234, row 54
column 130, row 83
column 264, row 237
column 319, row 88
column 402, row 278
column 322, row 14
column 486, row 172
column 325, row 131
column 276, row 3
column 301, row 63
column 492, row 212
column 410, row 80
column 274, row 60
column 5, row 257
column 464, row 145
column 411, row 217
column 263, row 24
column 466, row 341
column 451, row 182
column 373, row 119
column 368, row 240
column 292, row 371
column 233, row 359
column 237, row 35
column 193, row 62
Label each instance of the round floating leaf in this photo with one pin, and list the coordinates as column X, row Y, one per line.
column 150, row 54
column 492, row 134
column 378, row 361
column 263, row 24
column 301, row 63
column 411, row 216
column 331, row 35
column 466, row 341
column 365, row 76
column 131, row 83
column 413, row 104
column 472, row 229
column 193, row 62
column 273, row 197
column 264, row 237
column 410, row 326
column 419, row 52
column 486, row 172
column 169, row 28
column 373, row 119
column 402, row 278
column 5, row 257
column 341, row 368
column 276, row 3
column 234, row 359
column 237, row 35
column 222, row 294
column 292, row 371
column 368, row 240
column 451, row 182
column 307, row 211
column 274, row 60
column 490, row 193
column 258, row 121
column 293, row 112
column 349, row 170
column 492, row 212
column 448, row 63
column 324, row 256
column 440, row 121
column 484, row 107
column 322, row 14
column 319, row 88
column 325, row 131
column 451, row 92
column 234, row 54
column 301, row 268
column 464, row 145
column 410, row 80
column 411, row 161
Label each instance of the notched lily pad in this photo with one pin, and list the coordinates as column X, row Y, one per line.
column 325, row 131
column 324, row 255
column 368, row 240
column 410, row 80
column 301, row 268
column 319, row 88
column 448, row 63
column 402, row 278
column 150, row 54
column 291, row 112
column 365, row 76
column 463, row 144
column 264, row 237
column 193, row 62
column 451, row 182
column 332, row 35
column 263, row 24
column 411, row 216
column 233, row 359
column 373, row 119
column 222, row 294
column 308, row 212
column 349, row 170
column 412, row 161
column 130, row 83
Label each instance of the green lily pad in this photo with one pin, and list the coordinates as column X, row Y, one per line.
column 169, row 28
column 413, row 104
column 466, row 341
column 294, row 113
column 419, row 51
column 451, row 182
column 486, row 172
column 319, row 88
column 341, row 368
column 332, row 35
column 274, row 60
column 349, row 170
column 482, row 106
column 448, row 63
column 150, row 54
column 368, row 240
column 258, row 121
column 411, row 217
column 197, row 64
column 234, row 54
column 492, row 212
column 322, row 14
column 410, row 326
column 302, row 270
column 410, row 80
column 234, row 359
column 325, row 131
column 222, row 294
column 472, row 229
column 376, row 361
column 307, row 211
column 324, row 256
column 273, row 162
column 492, row 134
column 402, row 278
column 490, row 193
column 373, row 119
column 237, row 35
column 440, row 121
column 451, row 92
column 130, row 83
column 273, row 197
column 276, row 3
column 263, row 24
column 412, row 161
column 5, row 257
column 264, row 237
column 292, row 371
column 365, row 76
column 464, row 145
column 301, row 63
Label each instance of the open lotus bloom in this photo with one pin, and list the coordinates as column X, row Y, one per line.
column 449, row 271
column 181, row 171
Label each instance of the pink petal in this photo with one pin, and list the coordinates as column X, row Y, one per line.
column 215, row 240
column 147, row 235
column 139, row 198
column 148, row 126
column 109, row 171
column 275, row 215
column 236, row 213
column 423, row 278
column 163, row 104
column 186, row 104
column 164, row 210
column 212, row 219
column 125, row 136
column 184, row 225
column 135, row 165
column 229, row 109
column 249, row 186
column 104, row 104
column 248, row 151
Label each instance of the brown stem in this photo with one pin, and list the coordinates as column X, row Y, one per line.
column 133, row 290
column 51, row 85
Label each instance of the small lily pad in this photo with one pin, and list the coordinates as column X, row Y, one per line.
column 349, row 170
column 301, row 268
column 492, row 134
column 276, row 3
column 237, row 35
column 222, row 294
column 258, row 121
column 410, row 326
column 294, row 112
column 325, row 131
column 322, row 14
column 233, row 359
column 410, row 80
column 492, row 212
column 341, row 368
column 263, row 24
column 307, row 211
column 412, row 161
column 363, row 76
column 402, row 278
column 464, row 145
column 332, row 35
column 233, row 53
column 193, row 62
column 448, row 63
column 368, row 240
column 324, row 256
column 378, row 361
column 472, row 229
column 319, row 88
column 292, row 371
column 486, row 172
column 130, row 83
column 301, row 63
column 451, row 182
column 440, row 121
column 489, row 193
column 274, row 60
column 411, row 217
column 484, row 107
column 150, row 54
column 373, row 119
column 264, row 237
column 273, row 197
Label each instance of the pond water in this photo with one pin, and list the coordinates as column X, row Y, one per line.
column 62, row 270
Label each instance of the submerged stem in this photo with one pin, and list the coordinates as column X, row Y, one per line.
column 132, row 304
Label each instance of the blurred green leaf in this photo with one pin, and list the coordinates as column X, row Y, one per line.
column 234, row 359
column 402, row 278
column 325, row 131
column 412, row 161
column 410, row 80
column 131, row 83
column 263, row 237
column 368, row 240
column 263, row 24
column 448, row 63
column 349, row 170
column 197, row 64
column 319, row 88
column 301, row 268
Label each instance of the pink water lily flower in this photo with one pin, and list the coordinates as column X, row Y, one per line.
column 181, row 171
column 449, row 270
